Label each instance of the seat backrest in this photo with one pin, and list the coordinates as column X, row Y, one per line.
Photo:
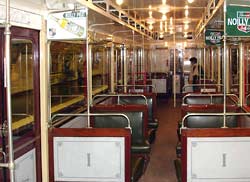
column 137, row 114
column 109, row 122
column 211, row 121
column 217, row 100
column 197, row 100
column 132, row 100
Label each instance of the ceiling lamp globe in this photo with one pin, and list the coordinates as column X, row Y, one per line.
column 164, row 8
column 119, row 2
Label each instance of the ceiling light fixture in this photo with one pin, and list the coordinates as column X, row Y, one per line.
column 164, row 8
column 119, row 2
column 161, row 35
column 164, row 17
column 166, row 27
column 150, row 27
column 190, row 1
column 185, row 44
column 161, row 26
column 150, row 20
column 186, row 20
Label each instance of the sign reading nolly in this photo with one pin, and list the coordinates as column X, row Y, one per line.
column 238, row 21
column 69, row 25
column 213, row 37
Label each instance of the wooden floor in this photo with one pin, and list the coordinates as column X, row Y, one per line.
column 161, row 167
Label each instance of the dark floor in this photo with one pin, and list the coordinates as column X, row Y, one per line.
column 161, row 166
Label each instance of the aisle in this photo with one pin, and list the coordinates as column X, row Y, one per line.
column 161, row 167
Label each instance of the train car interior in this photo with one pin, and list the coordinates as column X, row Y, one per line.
column 125, row 90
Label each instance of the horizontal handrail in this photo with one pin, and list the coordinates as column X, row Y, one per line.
column 211, row 95
column 200, row 85
column 67, row 96
column 21, row 114
column 121, row 95
column 210, row 114
column 88, row 115
column 153, row 86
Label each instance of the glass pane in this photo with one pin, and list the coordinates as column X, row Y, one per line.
column 100, row 59
column 22, row 91
column 67, row 76
column 234, row 80
column 247, row 73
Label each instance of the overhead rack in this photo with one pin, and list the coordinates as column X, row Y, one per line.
column 211, row 9
column 115, row 13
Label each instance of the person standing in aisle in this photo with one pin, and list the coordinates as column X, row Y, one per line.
column 194, row 73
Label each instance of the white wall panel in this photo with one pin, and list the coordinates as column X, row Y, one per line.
column 25, row 167
column 89, row 159
column 218, row 159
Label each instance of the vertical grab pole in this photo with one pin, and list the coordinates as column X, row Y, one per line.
column 112, row 70
column 204, row 65
column 219, row 69
column 174, row 73
column 175, row 63
column 241, row 80
column 89, row 75
column 133, row 62
column 8, row 90
column 125, row 68
column 225, row 66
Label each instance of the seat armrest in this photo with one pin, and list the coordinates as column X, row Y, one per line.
column 153, row 125
column 151, row 135
column 178, row 149
column 143, row 147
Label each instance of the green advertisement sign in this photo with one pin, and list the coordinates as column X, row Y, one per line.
column 238, row 21
column 213, row 37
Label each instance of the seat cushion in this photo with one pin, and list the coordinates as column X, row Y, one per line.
column 137, row 167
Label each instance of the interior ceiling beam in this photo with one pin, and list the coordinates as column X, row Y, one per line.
column 156, row 8
column 115, row 13
column 209, row 13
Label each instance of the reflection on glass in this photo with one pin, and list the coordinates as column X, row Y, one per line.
column 247, row 73
column 100, row 62
column 234, row 80
column 22, row 91
column 67, row 63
